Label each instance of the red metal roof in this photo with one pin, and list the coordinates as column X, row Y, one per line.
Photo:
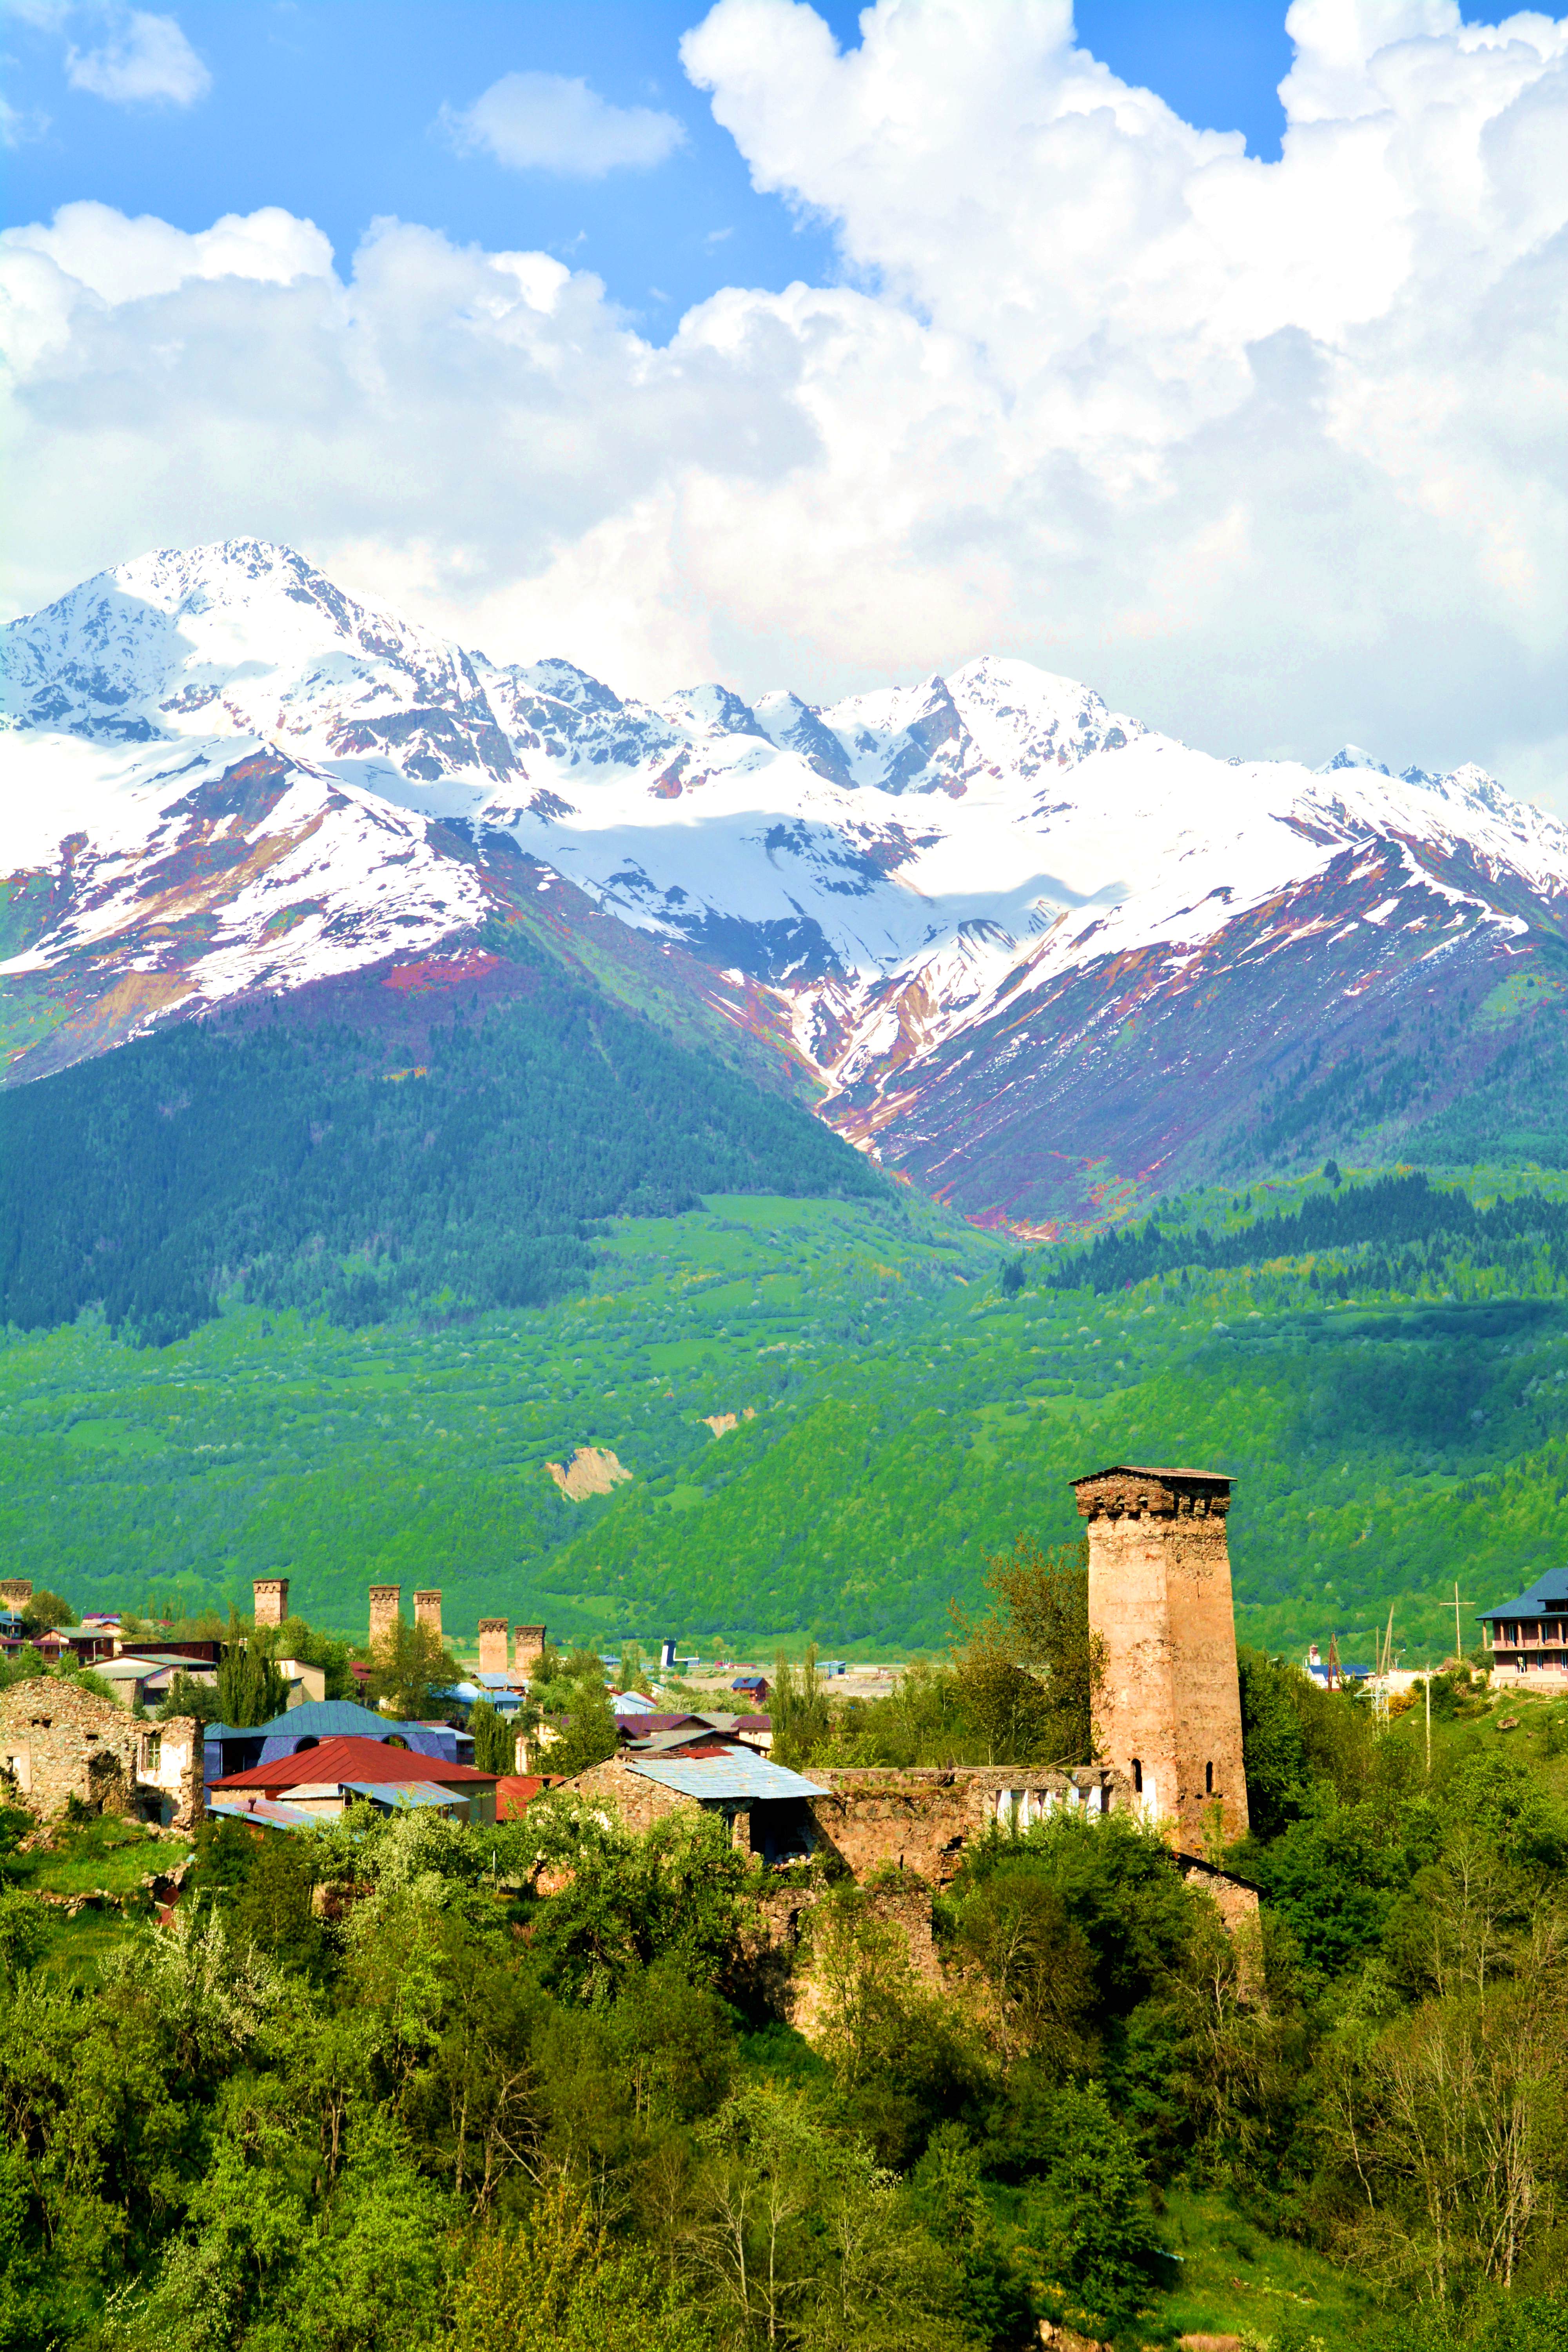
column 515, row 1791
column 333, row 1761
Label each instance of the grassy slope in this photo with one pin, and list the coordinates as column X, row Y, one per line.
column 908, row 1422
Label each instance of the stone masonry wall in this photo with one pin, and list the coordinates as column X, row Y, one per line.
column 635, row 1801
column 270, row 1600
column 528, row 1648
column 1160, row 1600
column 60, row 1742
column 386, row 1602
column 922, row 1819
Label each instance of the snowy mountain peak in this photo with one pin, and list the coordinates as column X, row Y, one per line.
column 1352, row 756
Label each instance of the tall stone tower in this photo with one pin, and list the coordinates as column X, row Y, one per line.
column 16, row 1591
column 428, row 1612
column 527, row 1648
column 1158, row 1597
column 270, row 1600
column 386, row 1606
column 493, row 1645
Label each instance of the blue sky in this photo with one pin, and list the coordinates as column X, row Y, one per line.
column 331, row 108
column 869, row 343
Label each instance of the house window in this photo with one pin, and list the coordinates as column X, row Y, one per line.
column 152, row 1751
column 1137, row 1777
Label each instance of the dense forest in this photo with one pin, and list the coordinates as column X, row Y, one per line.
column 317, row 1166
column 371, row 2086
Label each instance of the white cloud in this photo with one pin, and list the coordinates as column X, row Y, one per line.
column 146, row 59
column 547, row 122
column 1269, row 453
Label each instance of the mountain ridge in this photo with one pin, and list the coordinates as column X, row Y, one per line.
column 965, row 911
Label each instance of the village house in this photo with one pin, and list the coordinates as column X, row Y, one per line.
column 321, row 1778
column 1529, row 1637
column 58, row 1741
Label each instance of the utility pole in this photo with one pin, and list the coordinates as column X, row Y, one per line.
column 1428, row 1719
column 1459, row 1638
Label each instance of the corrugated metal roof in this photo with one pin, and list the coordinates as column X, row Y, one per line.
column 402, row 1794
column 1547, row 1597
column 265, row 1810
column 328, row 1718
column 715, row 1779
column 333, row 1761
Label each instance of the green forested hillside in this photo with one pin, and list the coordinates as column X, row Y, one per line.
column 1396, row 1412
column 365, row 1170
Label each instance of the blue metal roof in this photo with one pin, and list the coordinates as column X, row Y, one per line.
column 268, row 1810
column 715, row 1779
column 1547, row 1597
column 401, row 1794
column 328, row 1718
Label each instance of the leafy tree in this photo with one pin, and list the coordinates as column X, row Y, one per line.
column 495, row 1737
column 250, row 1690
column 1029, row 1672
column 555, row 2283
column 591, row 1734
column 799, row 1712
column 410, row 1665
column 186, row 1695
column 44, row 1610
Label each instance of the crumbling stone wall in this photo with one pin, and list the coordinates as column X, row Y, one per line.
column 637, row 1803
column 790, row 1926
column 57, row 1742
column 922, row 1819
column 1160, row 1600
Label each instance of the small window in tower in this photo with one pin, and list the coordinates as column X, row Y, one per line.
column 1137, row 1777
column 1208, row 1780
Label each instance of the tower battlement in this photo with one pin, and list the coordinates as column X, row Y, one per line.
column 1160, row 1601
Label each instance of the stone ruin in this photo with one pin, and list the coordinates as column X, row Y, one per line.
column 57, row 1742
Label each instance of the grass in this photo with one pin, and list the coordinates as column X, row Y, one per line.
column 1238, row 2279
column 109, row 1855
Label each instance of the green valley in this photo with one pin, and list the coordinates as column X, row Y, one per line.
column 907, row 1395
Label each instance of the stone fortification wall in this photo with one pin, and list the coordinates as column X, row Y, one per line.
column 624, row 1795
column 922, row 1819
column 1160, row 1600
column 60, row 1742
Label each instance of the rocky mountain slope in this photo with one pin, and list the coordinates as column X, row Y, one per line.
column 1041, row 958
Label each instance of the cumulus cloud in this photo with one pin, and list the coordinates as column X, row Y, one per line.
column 145, row 59
column 1269, row 453
column 548, row 122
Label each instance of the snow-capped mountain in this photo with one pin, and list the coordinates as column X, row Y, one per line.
column 224, row 776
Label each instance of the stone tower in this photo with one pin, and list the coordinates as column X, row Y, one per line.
column 385, row 1606
column 428, row 1612
column 270, row 1600
column 1158, row 1597
column 16, row 1591
column 528, row 1648
column 493, row 1645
